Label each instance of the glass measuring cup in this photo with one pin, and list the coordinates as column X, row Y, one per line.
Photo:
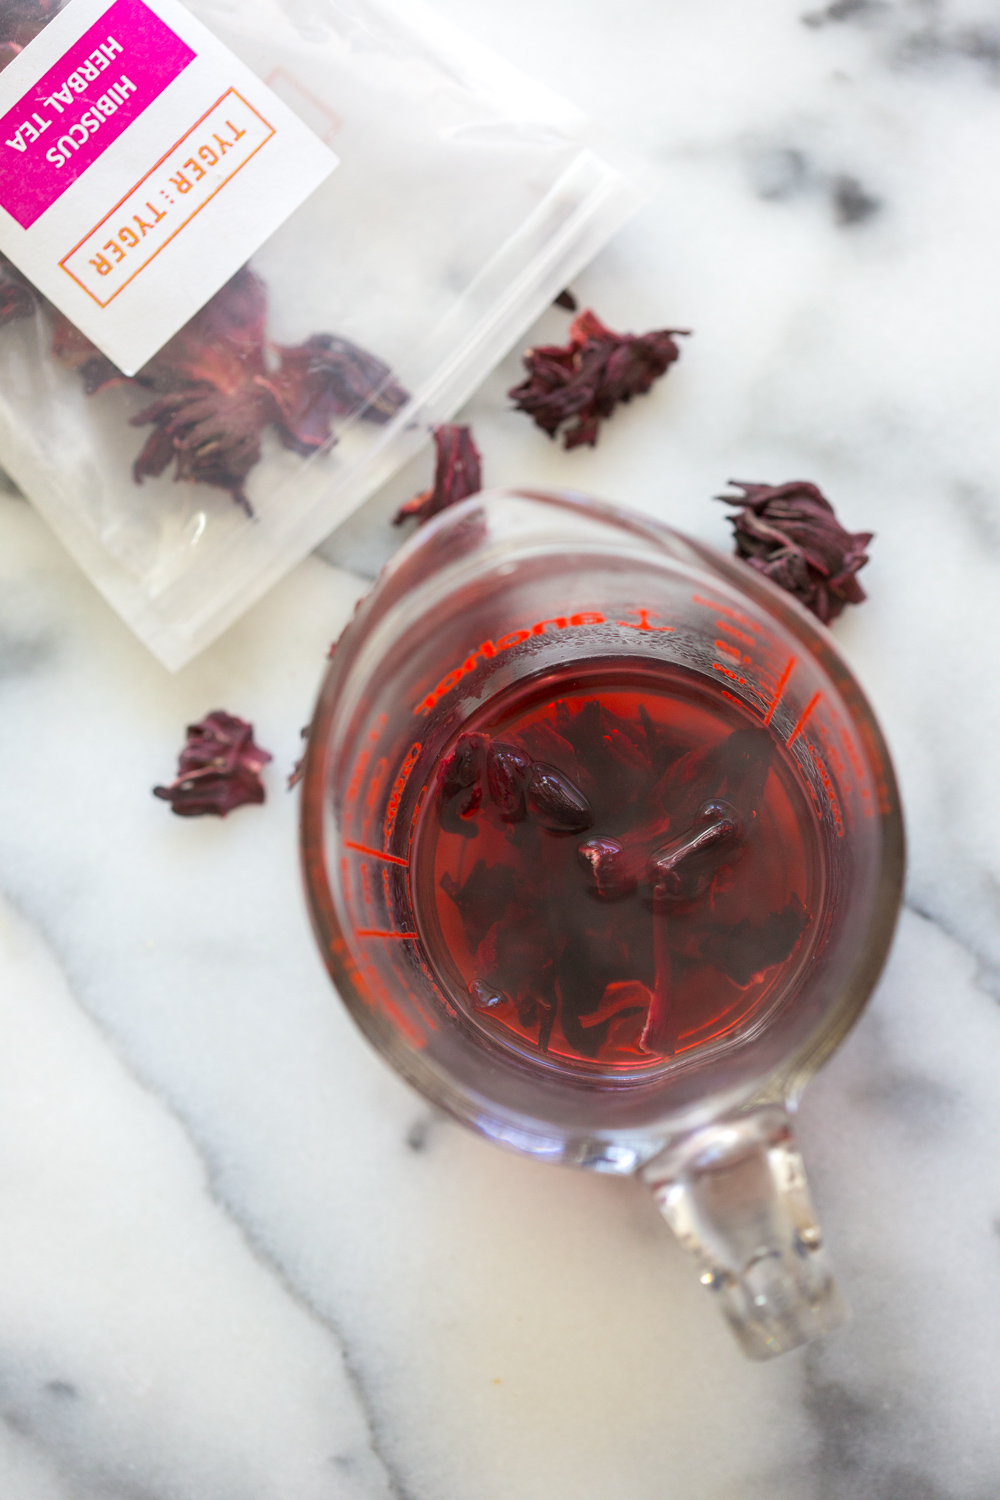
column 516, row 604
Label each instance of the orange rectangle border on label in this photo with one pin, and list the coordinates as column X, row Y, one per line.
column 121, row 249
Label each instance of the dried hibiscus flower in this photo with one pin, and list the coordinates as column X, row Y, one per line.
column 16, row 297
column 583, row 381
column 20, row 23
column 328, row 377
column 74, row 350
column 789, row 532
column 214, row 403
column 218, row 384
column 218, row 769
column 457, row 474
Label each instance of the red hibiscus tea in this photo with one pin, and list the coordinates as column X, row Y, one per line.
column 615, row 865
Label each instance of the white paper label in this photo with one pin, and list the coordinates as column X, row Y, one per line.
column 141, row 164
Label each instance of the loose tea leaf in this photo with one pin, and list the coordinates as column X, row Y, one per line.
column 457, row 474
column 567, row 300
column 218, row 769
column 582, row 382
column 790, row 533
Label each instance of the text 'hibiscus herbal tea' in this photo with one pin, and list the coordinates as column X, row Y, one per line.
column 250, row 256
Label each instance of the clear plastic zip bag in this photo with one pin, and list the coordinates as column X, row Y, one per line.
column 465, row 199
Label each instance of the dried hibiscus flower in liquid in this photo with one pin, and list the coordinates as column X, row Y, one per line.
column 580, row 383
column 457, row 474
column 618, row 865
column 790, row 533
column 218, row 769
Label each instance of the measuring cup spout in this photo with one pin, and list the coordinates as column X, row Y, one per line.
column 736, row 1196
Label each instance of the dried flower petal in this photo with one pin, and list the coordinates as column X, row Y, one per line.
column 17, row 300
column 218, row 769
column 507, row 772
column 328, row 377
column 789, row 532
column 457, row 474
column 566, row 300
column 584, row 381
column 216, row 393
column 460, row 785
column 556, row 802
column 213, row 436
column 214, row 402
column 222, row 345
column 20, row 23
column 74, row 350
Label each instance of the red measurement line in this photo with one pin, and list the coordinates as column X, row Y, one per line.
column 723, row 609
column 782, row 681
column 380, row 932
column 803, row 716
column 393, row 859
column 725, row 625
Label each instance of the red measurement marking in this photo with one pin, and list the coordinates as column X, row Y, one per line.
column 366, row 895
column 859, row 772
column 375, row 785
column 733, row 651
column 361, row 763
column 803, row 716
column 395, row 796
column 643, row 621
column 399, row 1017
column 718, row 667
column 416, row 810
column 836, row 758
column 782, row 684
column 355, row 784
column 437, row 991
column 393, row 859
column 489, row 649
column 724, row 609
column 382, row 932
column 740, row 634
column 824, row 776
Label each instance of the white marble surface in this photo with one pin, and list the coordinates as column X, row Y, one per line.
column 238, row 1259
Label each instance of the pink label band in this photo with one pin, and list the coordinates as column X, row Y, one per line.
column 74, row 112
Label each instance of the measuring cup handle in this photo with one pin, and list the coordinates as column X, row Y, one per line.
column 736, row 1196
